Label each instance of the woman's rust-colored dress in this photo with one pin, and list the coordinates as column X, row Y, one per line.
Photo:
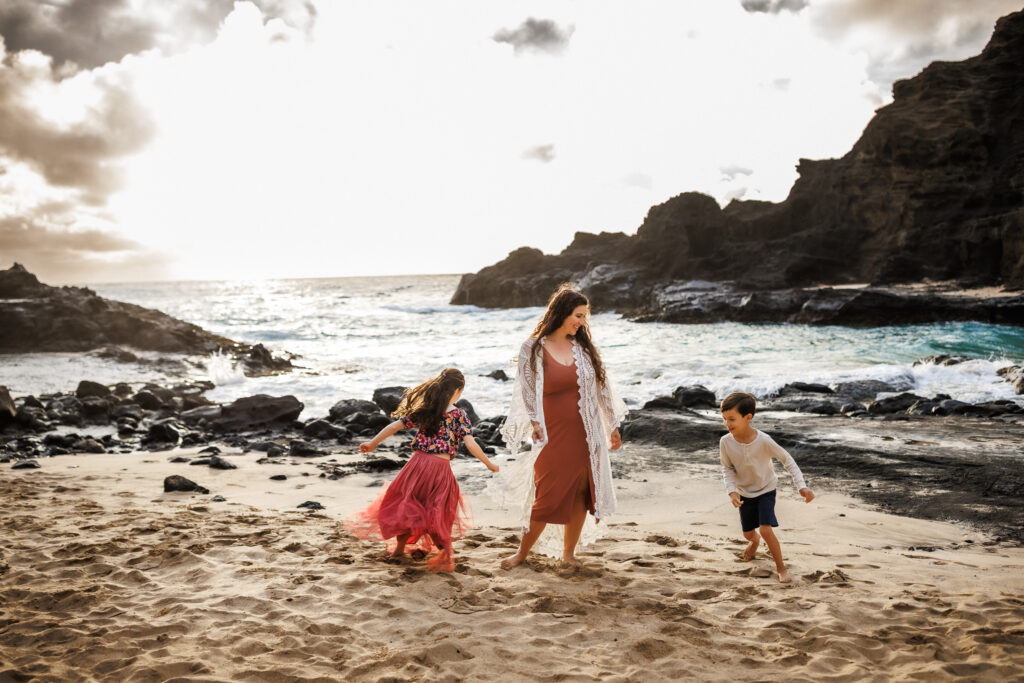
column 564, row 464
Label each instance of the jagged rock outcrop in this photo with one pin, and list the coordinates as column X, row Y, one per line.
column 932, row 191
column 37, row 317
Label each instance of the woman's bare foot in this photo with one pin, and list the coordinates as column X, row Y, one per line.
column 785, row 576
column 751, row 550
column 513, row 561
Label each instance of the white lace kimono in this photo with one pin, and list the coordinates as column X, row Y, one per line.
column 601, row 409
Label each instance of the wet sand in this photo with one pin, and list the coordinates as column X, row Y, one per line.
column 105, row 576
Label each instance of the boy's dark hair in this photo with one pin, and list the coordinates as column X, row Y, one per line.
column 745, row 403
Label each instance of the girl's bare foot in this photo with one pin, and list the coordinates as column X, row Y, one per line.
column 513, row 561
column 751, row 550
column 784, row 576
column 572, row 561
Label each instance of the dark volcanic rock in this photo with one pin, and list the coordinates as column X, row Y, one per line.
column 378, row 465
column 930, row 192
column 166, row 431
column 37, row 317
column 298, row 447
column 1015, row 376
column 7, row 409
column 87, row 389
column 686, row 430
column 26, row 465
column 804, row 388
column 468, row 407
column 861, row 389
column 322, row 429
column 388, row 398
column 219, row 463
column 311, row 505
column 201, row 414
column 498, row 375
column 88, row 445
column 342, row 409
column 176, row 482
column 894, row 404
column 258, row 411
column 696, row 396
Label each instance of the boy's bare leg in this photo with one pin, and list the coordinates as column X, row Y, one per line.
column 529, row 538
column 400, row 548
column 776, row 550
column 575, row 526
column 755, row 543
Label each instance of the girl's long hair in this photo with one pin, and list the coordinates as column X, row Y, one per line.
column 562, row 303
column 425, row 404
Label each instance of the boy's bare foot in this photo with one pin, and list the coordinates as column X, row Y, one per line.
column 512, row 561
column 751, row 550
column 785, row 576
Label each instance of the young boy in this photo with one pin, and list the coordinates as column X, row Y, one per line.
column 750, row 478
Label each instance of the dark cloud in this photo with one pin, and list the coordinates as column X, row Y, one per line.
column 913, row 33
column 93, row 32
column 542, row 153
column 82, row 155
column 58, row 253
column 733, row 170
column 537, row 35
column 773, row 6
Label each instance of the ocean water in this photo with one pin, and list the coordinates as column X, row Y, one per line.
column 353, row 335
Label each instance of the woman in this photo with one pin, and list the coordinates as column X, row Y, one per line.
column 563, row 401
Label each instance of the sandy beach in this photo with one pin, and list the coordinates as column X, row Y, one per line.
column 103, row 576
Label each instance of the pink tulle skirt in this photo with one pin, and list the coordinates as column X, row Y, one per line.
column 423, row 501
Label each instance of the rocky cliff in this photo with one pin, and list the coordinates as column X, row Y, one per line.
column 932, row 191
column 37, row 317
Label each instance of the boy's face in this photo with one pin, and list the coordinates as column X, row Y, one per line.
column 736, row 423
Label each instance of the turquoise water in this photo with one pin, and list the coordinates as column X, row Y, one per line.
column 356, row 334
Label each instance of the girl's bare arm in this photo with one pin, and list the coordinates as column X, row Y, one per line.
column 474, row 448
column 390, row 430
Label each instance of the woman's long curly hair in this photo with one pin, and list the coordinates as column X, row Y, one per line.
column 562, row 303
column 426, row 403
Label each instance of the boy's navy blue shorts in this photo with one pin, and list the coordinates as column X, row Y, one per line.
column 757, row 511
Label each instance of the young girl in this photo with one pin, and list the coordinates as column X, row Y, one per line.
column 423, row 503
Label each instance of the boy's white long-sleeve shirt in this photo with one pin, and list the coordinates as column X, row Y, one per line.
column 747, row 467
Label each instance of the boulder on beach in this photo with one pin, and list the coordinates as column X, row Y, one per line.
column 219, row 463
column 176, row 482
column 7, row 409
column 26, row 465
column 322, row 429
column 468, row 407
column 684, row 430
column 345, row 407
column 388, row 398
column 256, row 411
column 894, row 404
column 88, row 389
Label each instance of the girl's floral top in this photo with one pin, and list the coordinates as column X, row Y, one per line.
column 454, row 427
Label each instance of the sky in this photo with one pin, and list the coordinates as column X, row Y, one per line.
column 204, row 139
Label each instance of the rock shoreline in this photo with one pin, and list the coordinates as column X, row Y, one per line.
column 36, row 317
column 928, row 457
